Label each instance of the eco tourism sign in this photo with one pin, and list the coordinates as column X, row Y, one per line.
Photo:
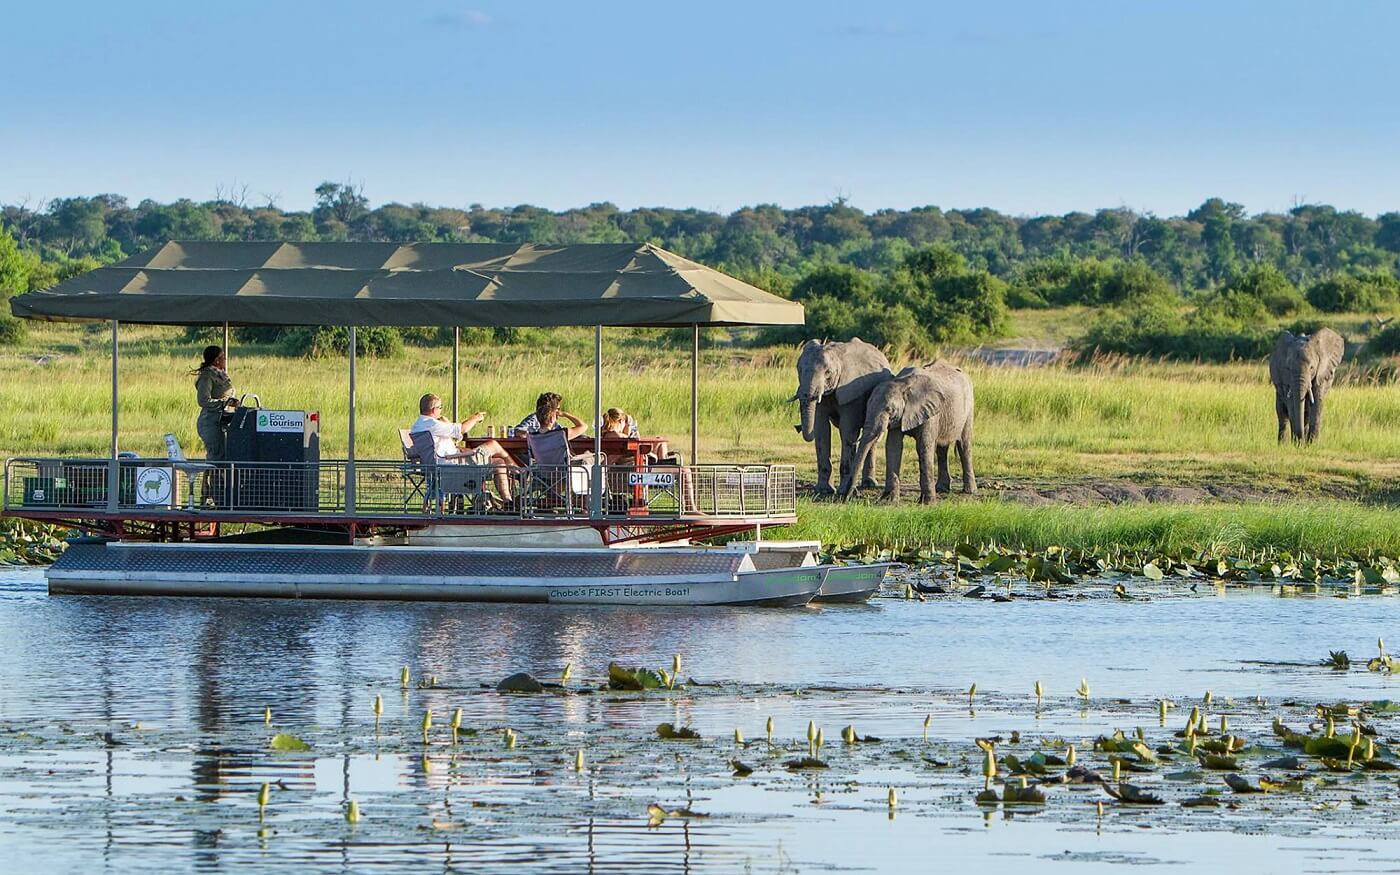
column 282, row 420
column 154, row 486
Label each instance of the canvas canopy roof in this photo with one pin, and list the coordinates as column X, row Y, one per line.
column 464, row 284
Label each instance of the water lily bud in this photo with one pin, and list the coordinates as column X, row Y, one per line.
column 821, row 739
column 427, row 765
column 989, row 765
column 971, row 691
column 738, row 736
column 510, row 738
column 1224, row 724
column 1194, row 718
column 267, row 716
column 264, row 793
column 378, row 707
column 928, row 718
column 1331, row 727
column 578, row 760
column 892, row 798
column 1370, row 749
column 1380, row 645
column 1162, row 709
column 848, row 735
column 564, row 675
column 352, row 812
column 1207, row 697
column 1070, row 756
column 676, row 664
column 427, row 723
column 1039, row 691
column 665, row 678
column 769, row 728
column 1191, row 744
column 811, row 731
column 403, row 678
column 1099, row 806
column 1117, row 771
column 1084, row 687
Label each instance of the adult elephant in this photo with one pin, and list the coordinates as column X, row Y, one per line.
column 932, row 404
column 834, row 381
column 1302, row 369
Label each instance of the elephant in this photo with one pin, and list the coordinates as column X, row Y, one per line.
column 934, row 405
column 1302, row 369
column 834, row 381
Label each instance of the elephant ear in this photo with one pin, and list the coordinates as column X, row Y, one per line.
column 860, row 387
column 921, row 402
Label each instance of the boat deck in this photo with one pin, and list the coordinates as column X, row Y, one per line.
column 365, row 495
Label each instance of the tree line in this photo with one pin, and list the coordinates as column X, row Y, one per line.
column 907, row 277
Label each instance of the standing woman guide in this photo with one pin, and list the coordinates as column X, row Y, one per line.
column 214, row 391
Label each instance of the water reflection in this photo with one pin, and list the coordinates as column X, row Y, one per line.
column 178, row 792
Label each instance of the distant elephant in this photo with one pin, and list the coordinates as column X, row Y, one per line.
column 934, row 405
column 1302, row 369
column 834, row 380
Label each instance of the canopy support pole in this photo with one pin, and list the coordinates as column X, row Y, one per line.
column 456, row 359
column 113, row 480
column 350, row 442
column 597, row 496
column 695, row 394
column 226, row 345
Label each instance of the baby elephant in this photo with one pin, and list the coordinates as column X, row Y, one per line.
column 933, row 404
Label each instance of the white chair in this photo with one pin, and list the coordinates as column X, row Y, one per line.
column 176, row 457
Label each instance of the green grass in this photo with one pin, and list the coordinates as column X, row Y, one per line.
column 1327, row 528
column 1151, row 423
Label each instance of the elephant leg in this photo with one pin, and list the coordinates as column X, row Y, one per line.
column 894, row 458
column 945, row 480
column 965, row 456
column 848, row 424
column 822, row 427
column 1281, row 411
column 867, row 477
column 1315, row 417
column 924, row 443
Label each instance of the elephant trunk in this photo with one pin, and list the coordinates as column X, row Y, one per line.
column 1298, row 405
column 809, row 417
column 868, row 436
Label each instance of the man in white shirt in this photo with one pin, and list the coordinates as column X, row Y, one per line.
column 446, row 434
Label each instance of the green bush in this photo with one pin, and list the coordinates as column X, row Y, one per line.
column 327, row 341
column 1267, row 284
column 1385, row 342
column 1343, row 293
column 1156, row 328
column 12, row 330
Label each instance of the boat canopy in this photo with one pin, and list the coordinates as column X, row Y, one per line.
column 459, row 284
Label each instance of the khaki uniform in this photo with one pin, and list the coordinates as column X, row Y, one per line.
column 213, row 388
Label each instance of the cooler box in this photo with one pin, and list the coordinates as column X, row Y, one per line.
column 259, row 434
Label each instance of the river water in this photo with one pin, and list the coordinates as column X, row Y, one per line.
column 182, row 684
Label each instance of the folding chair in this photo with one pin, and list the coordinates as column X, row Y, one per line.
column 444, row 482
column 554, row 473
column 412, row 471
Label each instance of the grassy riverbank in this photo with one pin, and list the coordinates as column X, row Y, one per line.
column 1137, row 422
column 1320, row 528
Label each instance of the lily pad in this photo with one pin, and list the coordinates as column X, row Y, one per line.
column 621, row 678
column 288, row 743
column 672, row 732
column 521, row 682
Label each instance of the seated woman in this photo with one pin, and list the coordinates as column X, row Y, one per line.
column 445, row 435
column 548, row 410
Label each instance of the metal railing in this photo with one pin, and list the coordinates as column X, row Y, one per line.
column 395, row 489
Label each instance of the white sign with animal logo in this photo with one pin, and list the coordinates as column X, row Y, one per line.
column 155, row 486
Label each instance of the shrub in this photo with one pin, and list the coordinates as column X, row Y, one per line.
column 1385, row 342
column 1156, row 328
column 12, row 330
column 1126, row 281
column 326, row 341
column 840, row 281
column 1343, row 293
column 1267, row 284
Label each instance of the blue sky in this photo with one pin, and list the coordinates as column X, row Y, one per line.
column 1029, row 107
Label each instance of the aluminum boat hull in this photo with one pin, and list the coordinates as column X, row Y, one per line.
column 602, row 576
column 852, row 583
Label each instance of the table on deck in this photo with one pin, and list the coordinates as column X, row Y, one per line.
column 624, row 449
